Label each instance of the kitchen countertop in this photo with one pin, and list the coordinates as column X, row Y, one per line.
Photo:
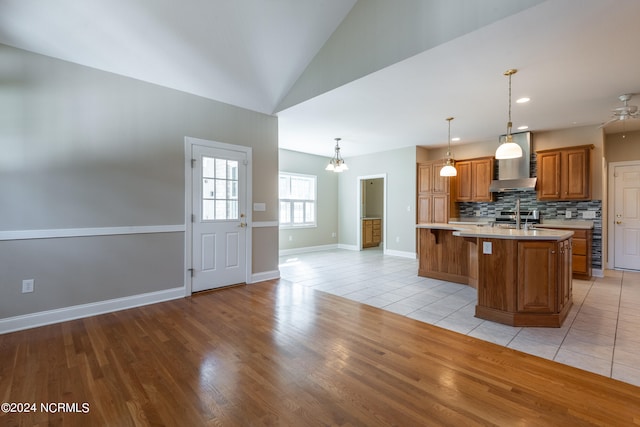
column 546, row 223
column 483, row 231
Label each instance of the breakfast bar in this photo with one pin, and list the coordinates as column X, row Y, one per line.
column 523, row 277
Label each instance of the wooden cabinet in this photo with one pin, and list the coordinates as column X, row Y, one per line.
column 565, row 281
column 429, row 179
column 564, row 174
column 371, row 232
column 473, row 180
column 433, row 202
column 524, row 282
column 544, row 276
column 581, row 252
column 537, row 277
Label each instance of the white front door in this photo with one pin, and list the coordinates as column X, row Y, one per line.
column 626, row 220
column 219, row 221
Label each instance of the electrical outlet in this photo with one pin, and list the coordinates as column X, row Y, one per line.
column 567, row 214
column 397, row 239
column 27, row 286
column 333, row 234
column 589, row 214
column 291, row 238
column 486, row 248
column 478, row 212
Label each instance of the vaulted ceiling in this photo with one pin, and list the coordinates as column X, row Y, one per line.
column 380, row 74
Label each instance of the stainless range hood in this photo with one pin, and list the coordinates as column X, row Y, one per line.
column 513, row 174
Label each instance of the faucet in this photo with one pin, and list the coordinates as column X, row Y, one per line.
column 517, row 213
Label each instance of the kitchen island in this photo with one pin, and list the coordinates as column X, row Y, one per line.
column 523, row 277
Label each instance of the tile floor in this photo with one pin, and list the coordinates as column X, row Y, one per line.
column 601, row 333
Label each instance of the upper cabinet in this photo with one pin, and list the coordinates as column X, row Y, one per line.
column 429, row 179
column 433, row 204
column 565, row 173
column 474, row 179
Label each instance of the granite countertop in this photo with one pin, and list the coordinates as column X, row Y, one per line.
column 482, row 231
column 559, row 223
column 577, row 224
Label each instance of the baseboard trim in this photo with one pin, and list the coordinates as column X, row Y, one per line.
column 265, row 275
column 348, row 247
column 42, row 318
column 597, row 272
column 402, row 254
column 284, row 252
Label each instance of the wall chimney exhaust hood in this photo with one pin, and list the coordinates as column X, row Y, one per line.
column 514, row 174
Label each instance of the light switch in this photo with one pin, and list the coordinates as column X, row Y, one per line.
column 259, row 207
column 486, row 248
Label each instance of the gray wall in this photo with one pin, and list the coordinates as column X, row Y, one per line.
column 327, row 188
column 82, row 148
column 400, row 221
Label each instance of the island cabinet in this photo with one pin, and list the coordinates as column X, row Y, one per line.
column 564, row 174
column 433, row 204
column 474, row 179
column 532, row 288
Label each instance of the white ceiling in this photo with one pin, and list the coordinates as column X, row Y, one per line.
column 575, row 57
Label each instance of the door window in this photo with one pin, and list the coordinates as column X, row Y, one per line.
column 219, row 189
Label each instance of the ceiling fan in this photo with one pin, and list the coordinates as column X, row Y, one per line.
column 625, row 112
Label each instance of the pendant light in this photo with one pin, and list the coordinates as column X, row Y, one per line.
column 509, row 149
column 448, row 169
column 337, row 164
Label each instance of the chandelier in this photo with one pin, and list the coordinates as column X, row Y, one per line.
column 337, row 164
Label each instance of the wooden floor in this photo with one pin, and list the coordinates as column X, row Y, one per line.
column 279, row 354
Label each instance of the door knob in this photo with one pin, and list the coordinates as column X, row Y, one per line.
column 243, row 224
column 618, row 222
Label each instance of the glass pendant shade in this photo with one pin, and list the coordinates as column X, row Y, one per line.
column 508, row 150
column 448, row 170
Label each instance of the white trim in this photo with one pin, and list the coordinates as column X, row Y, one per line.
column 284, row 252
column 349, row 247
column 265, row 275
column 42, row 318
column 189, row 142
column 359, row 209
column 402, row 254
column 263, row 224
column 88, row 232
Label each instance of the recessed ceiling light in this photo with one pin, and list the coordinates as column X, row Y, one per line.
column 523, row 127
column 523, row 100
column 455, row 139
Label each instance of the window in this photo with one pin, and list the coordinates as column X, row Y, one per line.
column 297, row 200
column 219, row 189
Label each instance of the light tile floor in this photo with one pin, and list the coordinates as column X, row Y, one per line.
column 601, row 333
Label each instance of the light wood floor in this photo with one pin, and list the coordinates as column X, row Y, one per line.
column 280, row 354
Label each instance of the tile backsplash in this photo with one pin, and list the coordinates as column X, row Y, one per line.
column 548, row 210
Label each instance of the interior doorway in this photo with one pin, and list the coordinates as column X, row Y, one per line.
column 624, row 215
column 372, row 211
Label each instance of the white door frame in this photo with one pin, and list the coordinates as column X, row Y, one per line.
column 189, row 142
column 359, row 210
column 611, row 240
